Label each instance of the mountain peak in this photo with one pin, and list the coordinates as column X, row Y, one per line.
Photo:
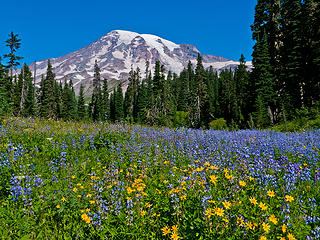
column 118, row 51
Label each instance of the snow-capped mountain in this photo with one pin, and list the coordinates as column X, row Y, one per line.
column 119, row 51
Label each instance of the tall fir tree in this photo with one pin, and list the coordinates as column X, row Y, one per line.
column 106, row 102
column 81, row 111
column 94, row 105
column 28, row 108
column 118, row 103
column 292, row 53
column 14, row 44
column 48, row 105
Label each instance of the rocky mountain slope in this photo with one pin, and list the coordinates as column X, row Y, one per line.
column 118, row 51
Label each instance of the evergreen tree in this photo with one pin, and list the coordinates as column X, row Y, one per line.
column 14, row 44
column 118, row 103
column 28, row 103
column 201, row 104
column 48, row 105
column 17, row 93
column 291, row 52
column 112, row 105
column 263, row 76
column 95, row 94
column 4, row 99
column 142, row 102
column 242, row 85
column 106, row 104
column 81, row 107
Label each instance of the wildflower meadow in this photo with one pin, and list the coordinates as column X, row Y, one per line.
column 69, row 180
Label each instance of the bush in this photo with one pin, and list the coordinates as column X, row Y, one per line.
column 218, row 124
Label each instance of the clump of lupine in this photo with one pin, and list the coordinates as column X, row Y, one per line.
column 79, row 180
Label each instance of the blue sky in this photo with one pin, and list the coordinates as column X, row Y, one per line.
column 55, row 28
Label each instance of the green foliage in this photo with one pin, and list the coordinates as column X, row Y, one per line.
column 181, row 119
column 218, row 124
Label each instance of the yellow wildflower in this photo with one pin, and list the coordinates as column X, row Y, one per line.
column 218, row 211
column 289, row 198
column 85, row 218
column 266, row 227
column 143, row 213
column 165, row 231
column 273, row 219
column 73, row 176
column 253, row 201
column 58, row 206
column 130, row 190
column 63, row 199
column 183, row 197
column 242, row 183
column 226, row 204
column 75, row 189
column 213, row 179
column 263, row 206
column 263, row 238
column 271, row 193
column 175, row 236
column 208, row 212
column 89, row 195
column 88, row 209
column 92, row 202
column 290, row 236
column 284, row 228
column 174, row 228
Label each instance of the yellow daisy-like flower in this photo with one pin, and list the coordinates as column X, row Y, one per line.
column 208, row 212
column 174, row 236
column 63, row 199
column 218, row 211
column 213, row 179
column 273, row 219
column 271, row 193
column 281, row 238
column 89, row 195
column 253, row 201
column 289, row 198
column 174, row 228
column 249, row 225
column 183, row 197
column 226, row 204
column 251, row 178
column 290, row 236
column 263, row 238
column 284, row 228
column 242, row 183
column 88, row 209
column 263, row 206
column 85, row 218
column 143, row 213
column 75, row 189
column 92, row 202
column 165, row 230
column 73, row 176
column 58, row 206
column 78, row 196
column 266, row 227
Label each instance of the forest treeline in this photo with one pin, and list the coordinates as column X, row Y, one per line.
column 284, row 82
